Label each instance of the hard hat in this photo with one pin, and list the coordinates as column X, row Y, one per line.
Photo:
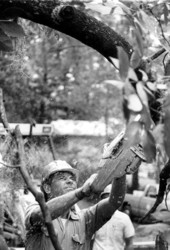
column 58, row 166
column 107, row 190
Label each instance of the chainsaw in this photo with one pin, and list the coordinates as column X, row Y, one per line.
column 117, row 160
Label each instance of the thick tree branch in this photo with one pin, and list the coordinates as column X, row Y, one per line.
column 68, row 20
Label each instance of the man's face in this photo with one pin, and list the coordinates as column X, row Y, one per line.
column 62, row 182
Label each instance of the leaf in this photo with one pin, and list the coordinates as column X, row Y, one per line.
column 139, row 41
column 144, row 75
column 158, row 9
column 124, row 8
column 116, row 83
column 149, row 92
column 138, row 26
column 142, row 93
column 133, row 133
column 166, row 109
column 149, row 23
column 134, row 103
column 3, row 36
column 146, row 118
column 132, row 75
column 148, row 145
column 5, row 42
column 158, row 133
column 115, row 62
column 123, row 63
column 164, row 43
column 126, row 111
column 135, row 59
column 102, row 9
column 166, row 13
column 12, row 29
column 6, row 47
column 151, row 86
column 161, row 86
column 167, row 68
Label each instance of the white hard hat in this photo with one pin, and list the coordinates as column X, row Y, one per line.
column 58, row 166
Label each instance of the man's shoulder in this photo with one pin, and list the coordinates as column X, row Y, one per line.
column 121, row 216
column 29, row 211
column 32, row 206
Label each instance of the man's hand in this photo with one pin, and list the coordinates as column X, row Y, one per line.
column 86, row 189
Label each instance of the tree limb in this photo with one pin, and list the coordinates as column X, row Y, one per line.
column 70, row 21
column 34, row 190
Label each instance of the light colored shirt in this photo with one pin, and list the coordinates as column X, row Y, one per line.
column 112, row 235
column 76, row 234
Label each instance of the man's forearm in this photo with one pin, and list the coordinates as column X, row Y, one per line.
column 129, row 243
column 115, row 200
column 107, row 207
column 59, row 205
column 118, row 191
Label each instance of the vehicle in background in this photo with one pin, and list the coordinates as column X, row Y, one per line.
column 142, row 201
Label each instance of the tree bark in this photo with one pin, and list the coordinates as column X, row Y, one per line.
column 69, row 20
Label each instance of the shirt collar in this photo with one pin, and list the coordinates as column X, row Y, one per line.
column 73, row 214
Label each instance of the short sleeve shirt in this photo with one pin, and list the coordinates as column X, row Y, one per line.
column 113, row 234
column 75, row 234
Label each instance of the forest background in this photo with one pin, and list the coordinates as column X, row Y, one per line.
column 46, row 75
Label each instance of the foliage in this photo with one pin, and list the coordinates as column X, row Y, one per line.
column 54, row 81
column 69, row 80
column 146, row 21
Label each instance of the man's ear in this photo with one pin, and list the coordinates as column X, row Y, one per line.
column 47, row 188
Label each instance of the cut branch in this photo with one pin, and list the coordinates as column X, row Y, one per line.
column 70, row 21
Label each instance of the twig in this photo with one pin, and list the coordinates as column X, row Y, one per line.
column 9, row 165
column 2, row 113
column 34, row 190
column 156, row 55
column 52, row 148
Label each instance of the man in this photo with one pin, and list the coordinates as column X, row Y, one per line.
column 126, row 208
column 117, row 233
column 74, row 228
